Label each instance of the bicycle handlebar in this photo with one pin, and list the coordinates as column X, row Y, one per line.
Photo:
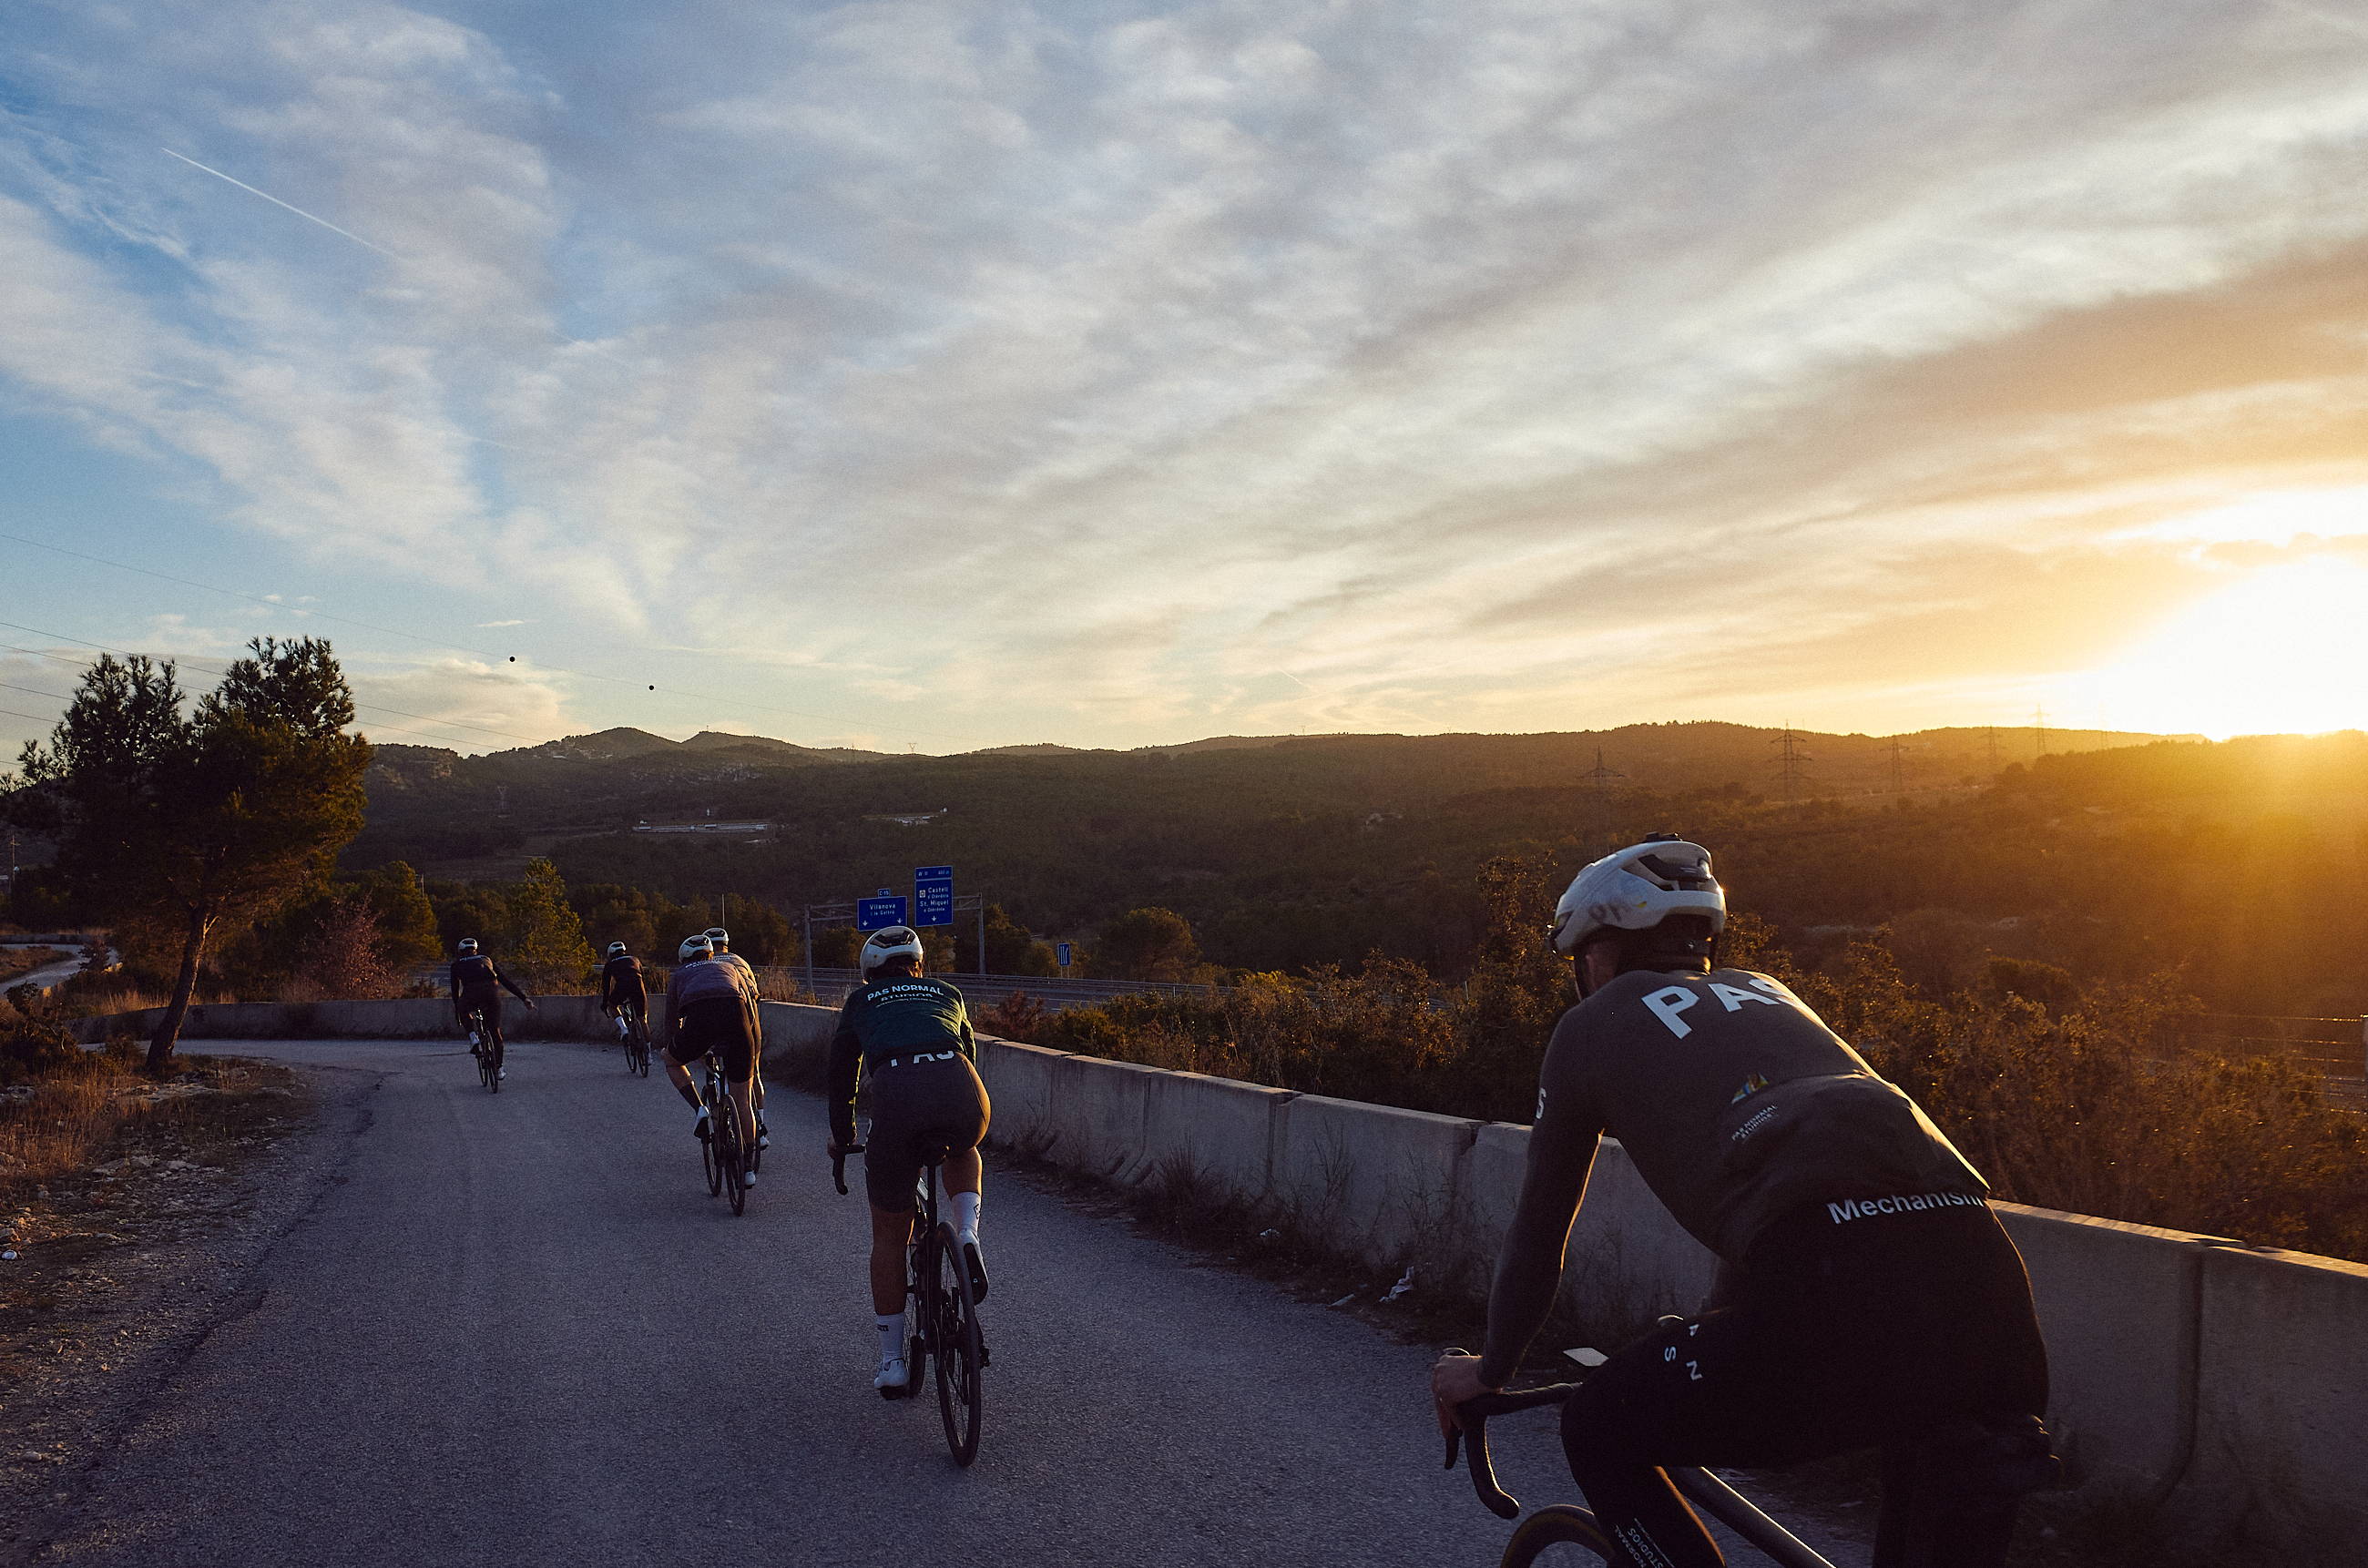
column 1474, row 1414
column 838, row 1167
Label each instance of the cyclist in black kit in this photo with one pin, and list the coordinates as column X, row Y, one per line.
column 1867, row 1296
column 910, row 1037
column 621, row 983
column 477, row 987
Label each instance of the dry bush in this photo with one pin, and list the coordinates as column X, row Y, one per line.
column 2086, row 1102
column 1016, row 1017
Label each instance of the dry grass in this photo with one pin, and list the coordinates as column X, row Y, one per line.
column 68, row 1118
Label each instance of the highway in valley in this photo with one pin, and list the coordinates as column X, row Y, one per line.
column 515, row 1329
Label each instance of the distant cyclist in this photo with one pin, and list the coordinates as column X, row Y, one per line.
column 1867, row 1296
column 712, row 1006
column 721, row 940
column 622, row 986
column 909, row 1037
column 477, row 987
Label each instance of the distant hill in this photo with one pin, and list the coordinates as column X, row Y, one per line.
column 2113, row 853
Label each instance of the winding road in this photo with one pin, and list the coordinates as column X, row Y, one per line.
column 515, row 1329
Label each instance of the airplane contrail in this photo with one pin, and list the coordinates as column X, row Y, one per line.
column 277, row 203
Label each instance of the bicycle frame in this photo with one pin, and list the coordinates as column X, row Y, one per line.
column 1706, row 1490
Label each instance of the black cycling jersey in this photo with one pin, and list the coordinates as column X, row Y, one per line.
column 621, row 982
column 479, row 972
column 1737, row 1104
column 1867, row 1295
column 883, row 1020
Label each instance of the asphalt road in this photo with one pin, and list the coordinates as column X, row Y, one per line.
column 49, row 974
column 515, row 1329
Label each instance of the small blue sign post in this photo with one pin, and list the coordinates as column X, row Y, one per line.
column 1062, row 948
column 933, row 896
column 874, row 913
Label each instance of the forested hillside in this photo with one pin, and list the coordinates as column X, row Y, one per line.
column 2241, row 861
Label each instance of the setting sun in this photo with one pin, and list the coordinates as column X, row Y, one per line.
column 2283, row 650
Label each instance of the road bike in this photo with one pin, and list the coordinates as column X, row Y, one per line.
column 488, row 1050
column 944, row 1303
column 634, row 1034
column 1563, row 1533
column 722, row 1153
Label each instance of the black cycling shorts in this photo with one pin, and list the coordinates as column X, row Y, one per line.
column 719, row 1024
column 1873, row 1329
column 915, row 1105
column 485, row 999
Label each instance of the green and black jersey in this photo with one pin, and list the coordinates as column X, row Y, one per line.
column 891, row 1019
column 1738, row 1106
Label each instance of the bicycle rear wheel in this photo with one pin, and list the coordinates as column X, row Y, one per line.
column 961, row 1352
column 1560, row 1535
column 489, row 1065
column 710, row 1159
column 731, row 1155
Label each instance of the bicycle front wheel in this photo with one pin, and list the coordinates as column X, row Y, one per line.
column 1561, row 1536
column 961, row 1352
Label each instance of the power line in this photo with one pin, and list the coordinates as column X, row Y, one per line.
column 1789, row 760
column 1598, row 779
column 1898, row 768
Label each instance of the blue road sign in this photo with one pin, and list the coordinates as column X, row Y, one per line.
column 933, row 896
column 874, row 913
column 1062, row 949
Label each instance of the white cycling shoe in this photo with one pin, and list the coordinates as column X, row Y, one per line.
column 699, row 1125
column 764, row 1138
column 893, row 1377
column 747, row 1179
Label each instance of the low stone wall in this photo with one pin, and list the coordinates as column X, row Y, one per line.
column 2226, row 1382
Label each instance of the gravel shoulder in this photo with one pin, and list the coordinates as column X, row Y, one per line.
column 121, row 1275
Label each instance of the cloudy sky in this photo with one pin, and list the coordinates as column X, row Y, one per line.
column 939, row 375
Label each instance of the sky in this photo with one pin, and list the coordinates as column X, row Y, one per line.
column 935, row 376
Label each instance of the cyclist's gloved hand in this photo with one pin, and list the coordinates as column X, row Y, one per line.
column 1454, row 1378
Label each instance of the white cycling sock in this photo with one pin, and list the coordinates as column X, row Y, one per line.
column 966, row 1215
column 891, row 1338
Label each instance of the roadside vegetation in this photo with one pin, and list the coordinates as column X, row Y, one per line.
column 65, row 1111
column 2095, row 1099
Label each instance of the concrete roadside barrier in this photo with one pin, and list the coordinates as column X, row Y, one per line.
column 2282, row 1400
column 1019, row 1080
column 1217, row 1132
column 1381, row 1181
column 2118, row 1304
column 1099, row 1106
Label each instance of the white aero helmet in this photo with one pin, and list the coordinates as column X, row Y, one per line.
column 616, row 949
column 1637, row 888
column 695, row 949
column 892, row 942
column 719, row 937
column 467, row 948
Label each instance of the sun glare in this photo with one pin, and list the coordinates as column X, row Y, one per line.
column 2276, row 516
column 2285, row 651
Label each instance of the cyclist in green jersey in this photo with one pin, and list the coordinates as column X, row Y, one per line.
column 910, row 1037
